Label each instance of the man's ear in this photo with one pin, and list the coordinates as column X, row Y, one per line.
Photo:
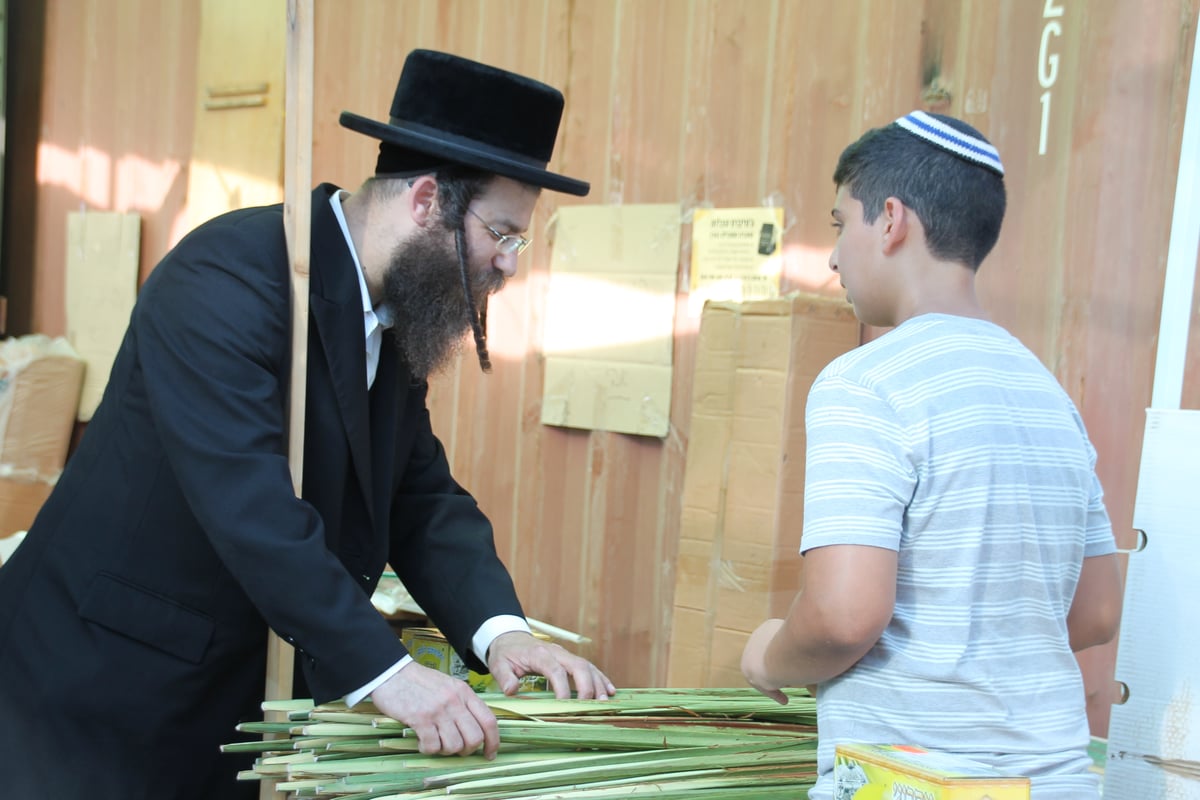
column 895, row 219
column 421, row 200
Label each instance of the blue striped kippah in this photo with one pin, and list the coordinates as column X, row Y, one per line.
column 961, row 144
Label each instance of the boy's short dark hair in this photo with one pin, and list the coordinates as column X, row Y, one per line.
column 960, row 203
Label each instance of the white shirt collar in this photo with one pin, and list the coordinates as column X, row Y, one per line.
column 374, row 321
column 372, row 317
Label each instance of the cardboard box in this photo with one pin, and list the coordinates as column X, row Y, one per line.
column 896, row 772
column 20, row 501
column 743, row 488
column 428, row 646
column 40, row 382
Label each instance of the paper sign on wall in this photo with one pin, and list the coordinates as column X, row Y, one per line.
column 736, row 255
column 610, row 319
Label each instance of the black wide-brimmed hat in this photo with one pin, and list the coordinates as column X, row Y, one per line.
column 451, row 110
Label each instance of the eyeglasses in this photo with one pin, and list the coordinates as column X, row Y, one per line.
column 505, row 243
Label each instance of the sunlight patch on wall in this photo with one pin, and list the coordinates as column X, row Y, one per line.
column 622, row 315
column 133, row 183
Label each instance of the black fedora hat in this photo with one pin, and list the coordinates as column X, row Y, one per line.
column 451, row 110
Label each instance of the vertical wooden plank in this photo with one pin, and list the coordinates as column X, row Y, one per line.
column 1105, row 267
column 815, row 110
column 238, row 135
column 586, row 152
column 647, row 124
column 297, row 220
column 596, row 41
column 650, row 63
column 297, row 211
column 487, row 431
column 725, row 92
column 538, row 453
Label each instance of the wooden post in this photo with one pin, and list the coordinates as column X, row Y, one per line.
column 297, row 220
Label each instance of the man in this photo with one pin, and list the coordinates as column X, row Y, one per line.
column 133, row 619
column 956, row 547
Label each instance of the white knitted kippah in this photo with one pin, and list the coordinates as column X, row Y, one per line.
column 961, row 144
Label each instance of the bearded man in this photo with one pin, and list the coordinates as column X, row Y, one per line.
column 134, row 618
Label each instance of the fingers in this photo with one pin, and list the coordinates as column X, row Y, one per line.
column 486, row 726
column 770, row 691
column 601, row 681
column 438, row 739
column 445, row 714
column 461, row 731
column 590, row 682
column 506, row 678
column 560, row 682
column 519, row 656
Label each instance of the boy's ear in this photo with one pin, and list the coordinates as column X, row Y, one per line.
column 895, row 219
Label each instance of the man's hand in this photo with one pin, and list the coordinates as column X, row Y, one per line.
column 516, row 654
column 447, row 716
column 754, row 661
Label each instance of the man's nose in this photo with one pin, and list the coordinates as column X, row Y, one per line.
column 833, row 259
column 506, row 263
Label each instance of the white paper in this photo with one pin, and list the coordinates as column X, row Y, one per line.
column 1158, row 657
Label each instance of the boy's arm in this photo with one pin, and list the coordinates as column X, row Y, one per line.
column 848, row 598
column 1096, row 608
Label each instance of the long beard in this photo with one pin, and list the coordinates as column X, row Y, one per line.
column 423, row 290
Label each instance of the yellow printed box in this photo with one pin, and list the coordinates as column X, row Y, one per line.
column 428, row 646
column 900, row 772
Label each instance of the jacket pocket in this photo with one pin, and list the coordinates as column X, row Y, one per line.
column 149, row 618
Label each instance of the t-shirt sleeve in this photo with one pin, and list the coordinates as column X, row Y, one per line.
column 1098, row 534
column 1099, row 540
column 859, row 471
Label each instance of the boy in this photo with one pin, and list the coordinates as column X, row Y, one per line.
column 957, row 549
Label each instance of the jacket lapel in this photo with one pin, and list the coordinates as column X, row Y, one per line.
column 335, row 304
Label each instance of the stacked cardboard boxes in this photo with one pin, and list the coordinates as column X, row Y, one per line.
column 743, row 490
column 40, row 382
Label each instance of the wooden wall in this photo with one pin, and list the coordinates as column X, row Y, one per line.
column 699, row 102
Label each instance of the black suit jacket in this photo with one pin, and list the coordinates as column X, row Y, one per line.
column 133, row 617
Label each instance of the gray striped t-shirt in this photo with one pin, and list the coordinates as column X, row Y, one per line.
column 948, row 441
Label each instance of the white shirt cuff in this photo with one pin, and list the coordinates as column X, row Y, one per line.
column 480, row 642
column 358, row 695
column 490, row 629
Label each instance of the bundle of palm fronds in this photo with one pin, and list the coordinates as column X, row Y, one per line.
column 672, row 743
